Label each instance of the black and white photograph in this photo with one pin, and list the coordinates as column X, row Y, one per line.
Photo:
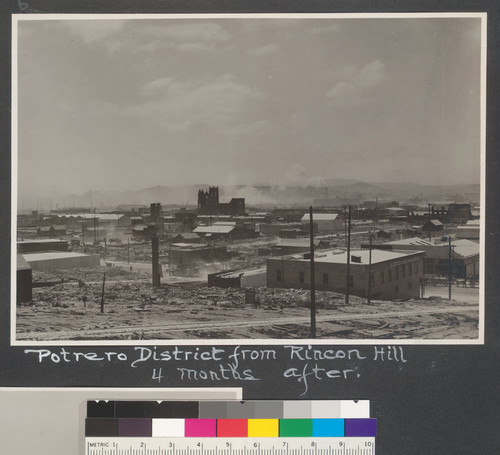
column 248, row 177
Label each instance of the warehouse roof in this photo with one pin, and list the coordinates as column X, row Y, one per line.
column 321, row 217
column 410, row 241
column 21, row 263
column 360, row 256
column 52, row 255
column 224, row 229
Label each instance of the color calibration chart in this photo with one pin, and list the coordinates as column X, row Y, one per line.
column 323, row 427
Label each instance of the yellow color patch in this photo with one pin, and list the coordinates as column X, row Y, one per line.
column 262, row 428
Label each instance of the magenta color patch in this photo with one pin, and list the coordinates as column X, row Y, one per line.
column 196, row 428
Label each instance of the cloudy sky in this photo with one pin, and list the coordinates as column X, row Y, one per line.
column 129, row 104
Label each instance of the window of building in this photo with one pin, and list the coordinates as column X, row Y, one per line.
column 325, row 278
column 301, row 277
column 416, row 267
column 389, row 275
column 403, row 270
column 396, row 272
column 410, row 269
column 278, row 275
column 381, row 277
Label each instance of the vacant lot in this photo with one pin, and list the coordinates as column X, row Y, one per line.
column 133, row 310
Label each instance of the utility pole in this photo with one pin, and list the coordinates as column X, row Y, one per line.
column 450, row 266
column 95, row 230
column 102, row 295
column 155, row 213
column 313, row 283
column 128, row 250
column 348, row 281
column 370, row 271
column 345, row 224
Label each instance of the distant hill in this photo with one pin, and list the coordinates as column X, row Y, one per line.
column 339, row 191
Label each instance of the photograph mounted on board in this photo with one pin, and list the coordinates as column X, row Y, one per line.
column 248, row 177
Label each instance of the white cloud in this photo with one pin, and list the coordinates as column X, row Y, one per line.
column 260, row 51
column 356, row 83
column 91, row 31
column 371, row 75
column 156, row 85
column 344, row 91
column 219, row 103
column 190, row 32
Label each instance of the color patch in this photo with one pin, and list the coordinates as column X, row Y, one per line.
column 101, row 409
column 328, row 427
column 360, row 427
column 135, row 427
column 263, row 428
column 240, row 410
column 268, row 409
column 102, row 427
column 297, row 409
column 359, row 409
column 325, row 409
column 232, row 428
column 196, row 428
column 185, row 409
column 168, row 428
column 296, row 428
column 213, row 410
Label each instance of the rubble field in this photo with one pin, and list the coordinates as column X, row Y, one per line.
column 67, row 306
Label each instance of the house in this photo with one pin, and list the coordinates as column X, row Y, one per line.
column 55, row 230
column 465, row 255
column 61, row 260
column 24, row 281
column 293, row 246
column 323, row 222
column 432, row 226
column 184, row 257
column 389, row 275
column 226, row 230
column 470, row 230
column 245, row 278
column 186, row 237
column 37, row 245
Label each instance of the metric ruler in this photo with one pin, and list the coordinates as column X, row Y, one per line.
column 229, row 446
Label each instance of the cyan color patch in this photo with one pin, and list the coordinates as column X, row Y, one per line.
column 328, row 427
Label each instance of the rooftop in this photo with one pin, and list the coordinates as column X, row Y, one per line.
column 411, row 241
column 340, row 257
column 245, row 272
column 21, row 263
column 53, row 255
column 321, row 217
column 44, row 241
column 463, row 247
column 215, row 229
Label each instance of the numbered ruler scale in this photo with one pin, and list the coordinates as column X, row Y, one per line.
column 230, row 446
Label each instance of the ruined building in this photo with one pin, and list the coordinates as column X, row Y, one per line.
column 208, row 204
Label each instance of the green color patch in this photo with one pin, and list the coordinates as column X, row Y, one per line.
column 296, row 427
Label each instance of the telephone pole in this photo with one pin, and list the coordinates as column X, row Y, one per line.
column 370, row 271
column 348, row 281
column 313, row 282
